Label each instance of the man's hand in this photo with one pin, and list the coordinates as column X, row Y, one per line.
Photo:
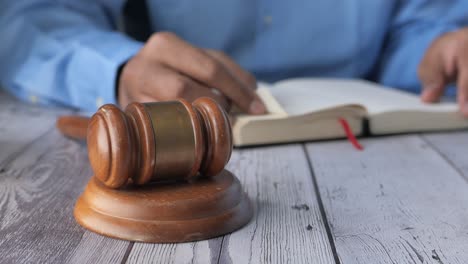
column 445, row 62
column 167, row 68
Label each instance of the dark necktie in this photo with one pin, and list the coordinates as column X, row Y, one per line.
column 136, row 19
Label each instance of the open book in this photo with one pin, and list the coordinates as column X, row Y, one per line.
column 309, row 109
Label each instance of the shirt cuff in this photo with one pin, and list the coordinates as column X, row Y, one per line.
column 119, row 54
column 95, row 70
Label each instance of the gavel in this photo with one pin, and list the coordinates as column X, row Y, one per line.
column 158, row 141
column 164, row 146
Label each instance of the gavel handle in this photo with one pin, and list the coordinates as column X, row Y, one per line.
column 73, row 126
column 76, row 127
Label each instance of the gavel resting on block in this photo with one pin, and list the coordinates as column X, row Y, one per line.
column 159, row 172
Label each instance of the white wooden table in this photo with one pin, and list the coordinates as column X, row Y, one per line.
column 404, row 199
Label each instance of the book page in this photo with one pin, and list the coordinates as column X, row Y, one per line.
column 271, row 104
column 293, row 117
column 299, row 96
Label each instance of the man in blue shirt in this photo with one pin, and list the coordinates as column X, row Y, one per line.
column 70, row 52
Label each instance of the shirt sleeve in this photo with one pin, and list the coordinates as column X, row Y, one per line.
column 415, row 24
column 63, row 52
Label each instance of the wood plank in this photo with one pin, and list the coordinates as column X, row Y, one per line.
column 21, row 123
column 197, row 252
column 453, row 147
column 38, row 222
column 287, row 226
column 397, row 201
column 37, row 193
column 94, row 248
column 41, row 175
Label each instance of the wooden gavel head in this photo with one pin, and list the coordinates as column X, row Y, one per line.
column 158, row 141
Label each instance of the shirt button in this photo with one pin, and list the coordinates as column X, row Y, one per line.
column 99, row 102
column 267, row 20
column 33, row 99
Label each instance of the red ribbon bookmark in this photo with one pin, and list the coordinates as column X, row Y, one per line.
column 349, row 134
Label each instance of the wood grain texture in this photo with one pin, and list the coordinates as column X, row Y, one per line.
column 198, row 252
column 453, row 147
column 94, row 248
column 20, row 124
column 41, row 175
column 398, row 201
column 402, row 200
column 37, row 192
column 287, row 225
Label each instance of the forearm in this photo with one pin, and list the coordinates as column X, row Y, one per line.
column 399, row 64
column 61, row 53
column 416, row 24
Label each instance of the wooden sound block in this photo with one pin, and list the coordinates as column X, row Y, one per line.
column 165, row 212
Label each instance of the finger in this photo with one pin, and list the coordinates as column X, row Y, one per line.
column 432, row 75
column 196, row 90
column 166, row 84
column 432, row 93
column 462, row 85
column 244, row 76
column 141, row 97
column 145, row 98
column 195, row 63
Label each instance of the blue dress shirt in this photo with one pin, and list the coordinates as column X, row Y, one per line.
column 67, row 52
